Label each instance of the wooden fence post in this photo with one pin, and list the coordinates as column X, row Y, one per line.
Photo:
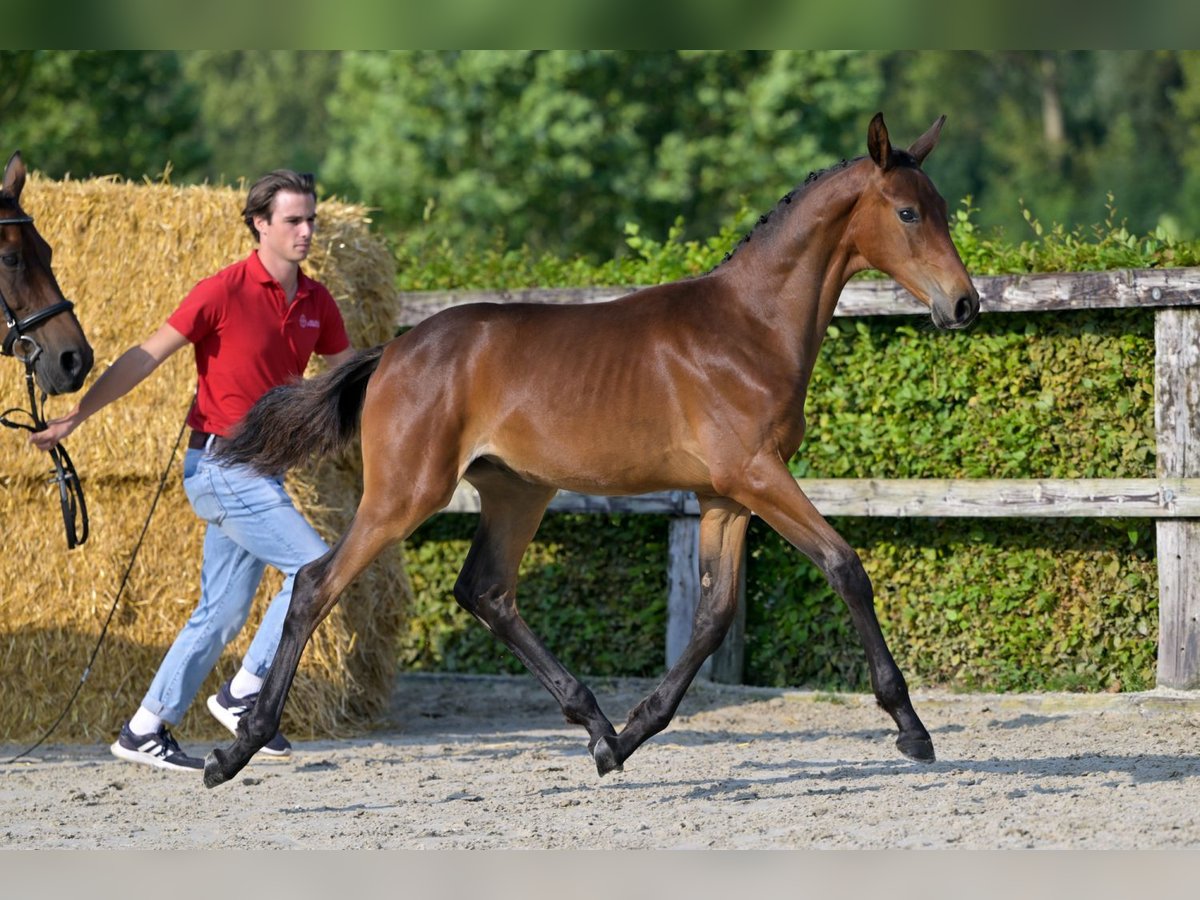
column 1177, row 422
column 683, row 594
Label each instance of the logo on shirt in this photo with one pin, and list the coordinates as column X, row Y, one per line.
column 306, row 322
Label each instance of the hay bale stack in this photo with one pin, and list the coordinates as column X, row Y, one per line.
column 127, row 254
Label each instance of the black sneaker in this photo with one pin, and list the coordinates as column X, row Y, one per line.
column 228, row 709
column 159, row 750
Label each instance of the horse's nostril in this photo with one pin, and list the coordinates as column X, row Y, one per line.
column 70, row 362
column 964, row 309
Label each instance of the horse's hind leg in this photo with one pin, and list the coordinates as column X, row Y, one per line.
column 510, row 513
column 722, row 536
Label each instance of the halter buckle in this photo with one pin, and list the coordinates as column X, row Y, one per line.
column 30, row 358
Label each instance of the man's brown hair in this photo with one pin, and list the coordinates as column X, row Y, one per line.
column 262, row 193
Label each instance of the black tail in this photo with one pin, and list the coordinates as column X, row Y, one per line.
column 310, row 417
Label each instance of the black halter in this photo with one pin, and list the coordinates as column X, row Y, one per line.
column 70, row 491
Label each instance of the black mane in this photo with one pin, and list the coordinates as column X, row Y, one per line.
column 785, row 200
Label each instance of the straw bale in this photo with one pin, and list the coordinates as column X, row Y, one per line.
column 127, row 253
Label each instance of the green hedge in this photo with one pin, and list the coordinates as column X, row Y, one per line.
column 1027, row 605
column 594, row 587
column 981, row 604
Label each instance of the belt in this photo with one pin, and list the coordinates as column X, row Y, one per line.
column 199, row 440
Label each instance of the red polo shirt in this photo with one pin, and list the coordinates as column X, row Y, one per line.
column 249, row 339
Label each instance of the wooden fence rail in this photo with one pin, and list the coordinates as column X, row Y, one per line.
column 1172, row 498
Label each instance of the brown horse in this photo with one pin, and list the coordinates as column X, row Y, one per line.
column 696, row 385
column 40, row 329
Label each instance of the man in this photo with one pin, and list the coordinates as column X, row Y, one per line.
column 253, row 326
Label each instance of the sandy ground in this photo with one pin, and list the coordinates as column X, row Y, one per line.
column 486, row 762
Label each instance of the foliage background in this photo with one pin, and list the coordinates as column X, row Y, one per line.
column 560, row 149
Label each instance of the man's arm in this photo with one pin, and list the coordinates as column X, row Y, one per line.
column 336, row 359
column 130, row 369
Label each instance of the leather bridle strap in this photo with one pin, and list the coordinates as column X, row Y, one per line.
column 70, row 491
column 18, row 327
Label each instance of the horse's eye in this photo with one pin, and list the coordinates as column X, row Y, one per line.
column 908, row 215
column 11, row 260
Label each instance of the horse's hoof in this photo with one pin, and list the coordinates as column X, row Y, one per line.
column 605, row 754
column 916, row 747
column 214, row 774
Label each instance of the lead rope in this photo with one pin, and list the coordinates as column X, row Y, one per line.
column 162, row 483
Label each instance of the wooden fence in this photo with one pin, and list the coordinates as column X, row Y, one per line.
column 1172, row 498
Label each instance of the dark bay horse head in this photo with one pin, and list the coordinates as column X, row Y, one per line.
column 900, row 227
column 39, row 327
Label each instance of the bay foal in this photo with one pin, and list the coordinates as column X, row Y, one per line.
column 695, row 385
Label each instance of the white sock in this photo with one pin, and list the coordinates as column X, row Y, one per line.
column 145, row 722
column 245, row 683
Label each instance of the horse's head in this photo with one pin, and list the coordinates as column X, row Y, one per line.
column 38, row 325
column 899, row 227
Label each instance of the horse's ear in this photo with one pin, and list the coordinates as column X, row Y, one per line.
column 14, row 176
column 925, row 143
column 878, row 144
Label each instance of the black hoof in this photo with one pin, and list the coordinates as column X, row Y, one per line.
column 916, row 747
column 605, row 754
column 214, row 773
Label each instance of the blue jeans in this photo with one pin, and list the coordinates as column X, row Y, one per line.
column 251, row 524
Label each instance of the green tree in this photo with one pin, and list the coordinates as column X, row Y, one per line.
column 1185, row 101
column 560, row 149
column 1055, row 131
column 92, row 112
column 261, row 110
column 1139, row 157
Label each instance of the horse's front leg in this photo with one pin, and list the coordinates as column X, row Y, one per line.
column 262, row 722
column 317, row 588
column 722, row 536
column 778, row 500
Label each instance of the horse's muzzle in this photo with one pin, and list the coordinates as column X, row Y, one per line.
column 64, row 371
column 957, row 314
